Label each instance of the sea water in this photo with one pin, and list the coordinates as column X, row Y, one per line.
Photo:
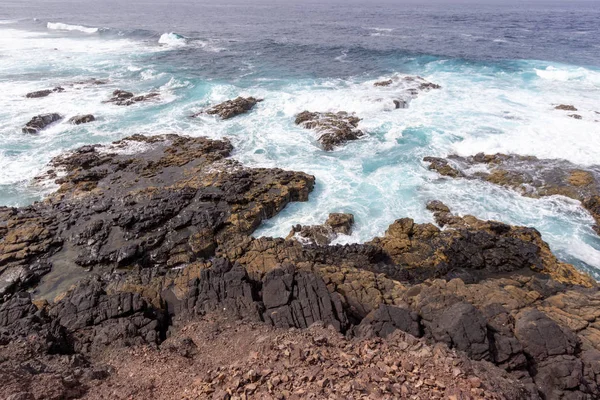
column 502, row 67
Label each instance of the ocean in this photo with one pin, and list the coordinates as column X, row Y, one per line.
column 502, row 67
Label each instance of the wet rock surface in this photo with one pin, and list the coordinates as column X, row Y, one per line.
column 44, row 93
column 531, row 176
column 41, row 122
column 164, row 226
column 125, row 98
column 335, row 128
column 232, row 108
column 82, row 119
column 336, row 224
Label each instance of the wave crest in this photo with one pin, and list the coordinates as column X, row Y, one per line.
column 59, row 26
column 172, row 39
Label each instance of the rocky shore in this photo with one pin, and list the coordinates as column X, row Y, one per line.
column 528, row 175
column 131, row 279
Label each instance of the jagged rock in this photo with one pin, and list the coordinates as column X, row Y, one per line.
column 233, row 108
column 299, row 299
column 169, row 205
column 322, row 235
column 575, row 116
column 565, row 107
column 335, row 128
column 224, row 287
column 44, row 93
column 125, row 98
column 82, row 119
column 529, row 175
column 41, row 122
column 386, row 319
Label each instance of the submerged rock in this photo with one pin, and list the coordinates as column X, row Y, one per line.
column 82, row 119
column 233, row 108
column 335, row 128
column 529, row 175
column 383, row 83
column 125, row 98
column 44, row 93
column 41, row 122
column 565, row 107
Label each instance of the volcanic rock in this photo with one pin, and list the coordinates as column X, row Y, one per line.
column 565, row 107
column 41, row 122
column 82, row 119
column 124, row 98
column 529, row 175
column 322, row 235
column 335, row 128
column 233, row 108
column 44, row 93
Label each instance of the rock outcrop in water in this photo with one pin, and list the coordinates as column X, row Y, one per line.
column 41, row 122
column 335, row 128
column 232, row 108
column 530, row 176
column 124, row 98
column 165, row 230
column 336, row 224
column 82, row 119
column 405, row 88
column 44, row 93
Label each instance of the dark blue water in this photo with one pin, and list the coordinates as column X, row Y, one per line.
column 502, row 68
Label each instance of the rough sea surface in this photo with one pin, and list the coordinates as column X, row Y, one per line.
column 503, row 68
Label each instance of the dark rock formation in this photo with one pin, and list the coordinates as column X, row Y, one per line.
column 387, row 319
column 166, row 232
column 82, row 119
column 575, row 116
column 299, row 299
column 124, row 98
column 164, row 207
column 335, row 128
column 41, row 122
column 383, row 83
column 44, row 93
column 322, row 235
column 565, row 107
column 529, row 175
column 232, row 108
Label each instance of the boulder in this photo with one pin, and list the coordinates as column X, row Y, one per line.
column 335, row 128
column 565, row 107
column 233, row 108
column 124, row 98
column 82, row 119
column 44, row 93
column 41, row 122
column 322, row 235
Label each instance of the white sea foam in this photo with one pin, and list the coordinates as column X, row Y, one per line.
column 59, row 26
column 172, row 40
column 565, row 74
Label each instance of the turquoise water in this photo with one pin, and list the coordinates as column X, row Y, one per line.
column 486, row 105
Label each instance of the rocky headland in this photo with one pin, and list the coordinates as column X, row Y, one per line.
column 143, row 260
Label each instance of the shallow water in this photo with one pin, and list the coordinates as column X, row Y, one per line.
column 502, row 69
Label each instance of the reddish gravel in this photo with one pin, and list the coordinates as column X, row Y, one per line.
column 221, row 359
